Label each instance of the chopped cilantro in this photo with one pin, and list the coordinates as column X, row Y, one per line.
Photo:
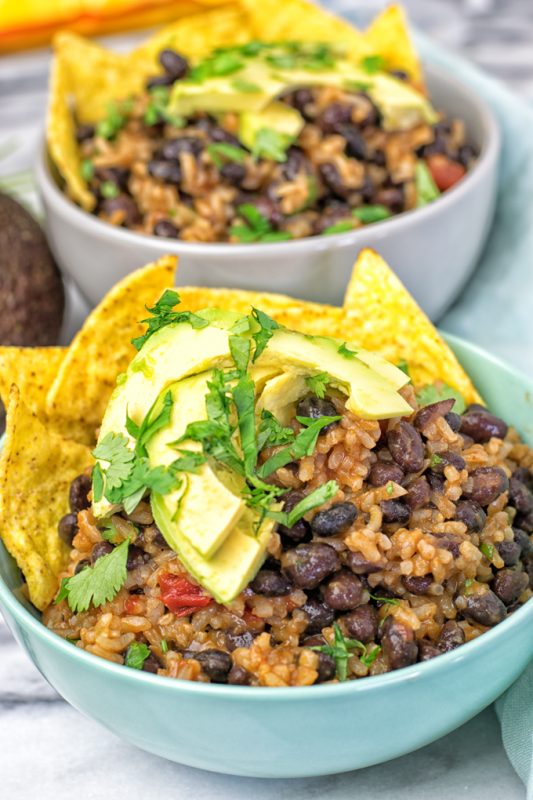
column 390, row 488
column 271, row 433
column 267, row 326
column 373, row 64
column 303, row 445
column 87, row 169
column 115, row 120
column 315, row 498
column 368, row 657
column 163, row 314
column 271, row 144
column 97, row 584
column 189, row 461
column 338, row 227
column 244, row 399
column 163, row 645
column 152, row 423
column 108, row 189
column 389, row 601
column 435, row 460
column 432, row 393
column 114, row 449
column 157, row 109
column 222, row 62
column 221, row 152
column 487, row 550
column 109, row 531
column 257, row 228
column 345, row 351
column 242, row 85
column 404, row 366
column 318, row 384
column 240, row 352
column 368, row 214
column 136, row 655
column 340, row 651
column 426, row 188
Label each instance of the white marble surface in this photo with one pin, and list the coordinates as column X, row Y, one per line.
column 47, row 749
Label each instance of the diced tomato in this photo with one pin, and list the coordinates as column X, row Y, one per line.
column 134, row 605
column 180, row 595
column 253, row 622
column 444, row 171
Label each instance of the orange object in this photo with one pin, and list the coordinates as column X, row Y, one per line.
column 32, row 23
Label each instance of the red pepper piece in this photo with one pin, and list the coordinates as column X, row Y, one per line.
column 180, row 595
column 444, row 171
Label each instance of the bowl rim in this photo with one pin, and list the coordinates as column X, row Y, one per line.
column 279, row 694
column 489, row 150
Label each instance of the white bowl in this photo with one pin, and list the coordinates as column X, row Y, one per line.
column 433, row 249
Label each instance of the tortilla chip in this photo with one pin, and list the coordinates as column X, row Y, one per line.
column 36, row 469
column 61, row 135
column 381, row 315
column 102, row 349
column 33, row 370
column 388, row 36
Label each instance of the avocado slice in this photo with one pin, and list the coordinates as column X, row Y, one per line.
column 275, row 116
column 401, row 105
column 203, row 510
column 280, row 394
column 370, row 382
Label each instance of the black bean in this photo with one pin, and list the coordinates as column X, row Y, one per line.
column 448, row 459
column 84, row 132
column 449, row 542
column 358, row 563
column 81, row 565
column 334, row 117
column 296, row 162
column 301, row 530
column 78, row 493
column 395, row 511
column 384, row 471
column 158, row 540
column 488, row 483
column 419, row 493
column 137, row 590
column 417, row 584
column 523, row 474
column 173, row 148
column 215, row 663
column 233, row 173
column 319, row 615
column 234, row 640
column 471, row 514
column 525, row 522
column 219, row 134
column 355, row 143
column 308, row 564
column 453, row 420
column 158, row 80
column 335, row 211
column 378, row 158
column 335, row 519
column 126, row 205
column 151, row 664
column 117, row 175
column 400, row 74
column 101, row 549
column 332, row 179
column 522, row 538
column 344, row 591
column 510, row 552
column 406, row 447
column 485, row 608
column 136, row 557
column 270, row 583
column 238, row 676
column 520, row 496
column 428, row 414
column 327, row 668
column 316, row 408
column 362, row 623
column 300, row 99
column 451, row 636
column 399, row 646
column 67, row 528
column 166, row 229
column 269, row 209
column 481, row 425
column 509, row 584
column 435, row 480
column 427, row 650
column 465, row 155
column 167, row 171
column 391, row 196
column 174, row 64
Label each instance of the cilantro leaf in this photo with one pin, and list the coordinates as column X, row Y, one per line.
column 244, row 399
column 271, row 144
column 373, row 64
column 163, row 315
column 267, row 326
column 115, row 120
column 340, row 651
column 151, row 424
column 258, row 228
column 271, row 433
column 432, row 393
column 97, row 584
column 240, row 352
column 87, row 169
column 189, row 461
column 318, row 383
column 435, row 460
column 404, row 366
column 221, row 152
column 315, row 498
column 303, row 445
column 345, row 351
column 487, row 550
column 368, row 214
column 114, row 449
column 338, row 227
column 389, row 601
column 245, row 86
column 426, row 188
column 136, row 655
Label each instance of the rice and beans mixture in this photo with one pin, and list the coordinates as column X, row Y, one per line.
column 197, row 182
column 427, row 545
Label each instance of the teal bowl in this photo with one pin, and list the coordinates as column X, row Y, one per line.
column 294, row 732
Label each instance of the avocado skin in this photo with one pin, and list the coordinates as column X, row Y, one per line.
column 32, row 297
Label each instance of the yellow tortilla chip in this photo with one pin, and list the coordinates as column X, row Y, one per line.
column 102, row 349
column 33, row 370
column 381, row 315
column 36, row 469
column 388, row 36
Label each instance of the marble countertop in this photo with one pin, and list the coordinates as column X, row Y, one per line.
column 47, row 749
